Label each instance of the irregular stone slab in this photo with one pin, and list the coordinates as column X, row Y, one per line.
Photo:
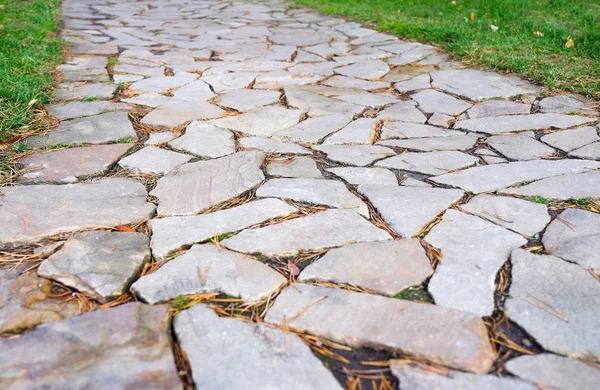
column 568, row 140
column 206, row 140
column 295, row 37
column 512, row 123
column 230, row 81
column 431, row 163
column 195, row 187
column 326, row 192
column 140, row 70
column 494, row 177
column 217, row 270
column 590, row 152
column 479, row 85
column 574, row 237
column 373, row 100
column 312, row 130
column 155, row 139
column 153, row 160
column 122, row 347
column 302, row 167
column 358, row 131
column 409, row 209
column 556, row 302
column 98, row 129
column 365, row 175
column 451, row 142
column 29, row 213
column 67, row 91
column 216, row 346
column 433, row 101
column 350, row 82
column 72, row 110
column 149, row 100
column 569, row 186
column 359, row 155
column 562, row 104
column 314, row 232
column 323, row 68
column 99, row 263
column 441, row 120
column 404, row 130
column 163, row 83
column 315, row 104
column 413, row 55
column 521, row 216
column 248, row 99
column 473, row 250
column 415, row 183
column 196, row 91
column 177, row 112
column 272, row 146
column 263, row 121
column 413, row 378
column 278, row 79
column 405, row 111
column 57, row 166
column 371, row 69
column 173, row 233
column 461, row 339
column 328, row 49
column 302, row 56
column 126, row 78
column 497, row 108
column 387, row 267
column 519, row 147
column 422, row 81
column 551, row 371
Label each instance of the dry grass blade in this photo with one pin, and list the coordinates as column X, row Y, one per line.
column 286, row 320
column 433, row 254
column 183, row 365
column 545, row 306
column 124, row 298
column 237, row 201
column 189, row 301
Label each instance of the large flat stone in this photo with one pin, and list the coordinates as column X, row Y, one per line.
column 98, row 129
column 151, row 159
column 422, row 81
column 589, row 152
column 177, row 112
column 70, row 91
column 149, row 99
column 387, row 267
column 359, row 155
column 263, row 121
column 409, row 209
column 272, row 146
column 123, row 347
column 360, row 131
column 99, row 263
column 496, row 108
column 163, row 83
column 404, row 111
column 207, row 268
column 404, row 130
column 312, row 130
column 267, row 358
column 494, row 177
column 473, row 250
column 520, row 147
column 173, row 233
column 451, row 142
column 195, row 187
column 556, row 302
column 512, row 123
column 206, row 140
column 318, row 231
column 562, row 104
column 72, row 110
column 564, row 187
column 196, row 91
column 431, row 101
column 430, row 163
column 29, row 213
column 248, row 99
column 315, row 104
column 57, row 166
column 371, row 69
column 365, row 175
column 303, row 167
column 449, row 337
column 575, row 237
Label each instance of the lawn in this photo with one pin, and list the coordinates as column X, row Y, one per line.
column 29, row 50
column 532, row 38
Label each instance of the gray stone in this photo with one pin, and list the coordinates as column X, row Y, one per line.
column 263, row 121
column 177, row 112
column 408, row 210
column 302, row 56
column 493, row 160
column 490, row 108
column 315, row 104
column 322, row 68
column 230, row 81
column 431, row 163
column 99, row 263
column 318, row 231
column 410, row 182
column 72, row 110
column 404, row 130
column 461, row 339
column 173, row 233
column 156, row 139
column 521, row 216
column 494, row 177
column 562, row 104
column 195, row 187
column 296, row 37
column 519, row 147
column 433, row 101
column 151, row 159
column 196, row 91
column 369, row 99
column 404, row 111
column 441, row 120
column 123, row 347
column 360, row 131
column 413, row 55
column 387, row 267
column 452, row 142
column 372, row 69
column 512, row 123
column 479, row 85
column 590, row 152
column 68, row 91
column 301, row 167
column 564, row 187
column 473, row 251
column 29, row 213
column 163, row 83
column 575, row 237
column 316, row 191
column 248, row 99
column 568, row 140
column 266, row 357
column 98, row 129
column 328, row 49
column 365, row 175
column 149, row 100
column 551, row 371
column 207, row 268
column 422, row 81
column 556, row 302
column 272, row 146
column 57, row 166
column 206, row 140
column 140, row 70
column 359, row 155
column 280, row 78
column 126, row 78
column 312, row 130
column 350, row 82
column 414, row 378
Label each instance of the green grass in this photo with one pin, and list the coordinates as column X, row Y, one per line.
column 414, row 294
column 530, row 40
column 539, row 199
column 29, row 50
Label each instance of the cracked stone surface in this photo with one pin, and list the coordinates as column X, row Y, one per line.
column 301, row 167
column 264, row 121
column 564, row 187
column 430, row 163
column 520, row 147
column 359, row 155
column 365, row 175
column 431, row 101
column 153, row 160
column 177, row 112
column 568, row 140
column 272, row 146
column 513, row 123
column 491, row 108
column 451, row 142
column 206, row 140
column 72, row 110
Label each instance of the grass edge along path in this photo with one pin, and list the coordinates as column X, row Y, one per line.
column 553, row 42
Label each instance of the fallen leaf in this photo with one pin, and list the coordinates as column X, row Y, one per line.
column 570, row 43
column 293, row 268
column 494, row 28
column 123, row 228
column 538, row 33
column 288, row 160
column 472, row 15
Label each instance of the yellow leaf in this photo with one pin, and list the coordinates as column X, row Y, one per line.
column 538, row 33
column 570, row 43
column 472, row 15
column 32, row 102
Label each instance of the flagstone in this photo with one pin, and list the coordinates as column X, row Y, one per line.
column 568, row 140
column 372, row 69
column 564, row 187
column 422, row 81
column 405, row 130
column 431, row 101
column 177, row 112
column 490, row 108
column 562, row 104
column 248, row 99
column 589, row 152
column 81, row 90
column 206, row 140
column 315, row 104
column 163, row 83
column 76, row 109
column 519, row 147
column 196, row 91
column 451, row 142
column 365, row 175
column 151, row 159
column 513, row 123
column 403, row 111
column 359, row 155
column 351, row 82
column 300, row 167
column 312, row 130
column 430, row 163
column 149, row 99
column 263, row 121
column 156, row 139
column 410, row 182
column 229, row 81
column 272, row 146
column 360, row 131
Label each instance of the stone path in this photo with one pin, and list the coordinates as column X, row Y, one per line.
column 296, row 202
